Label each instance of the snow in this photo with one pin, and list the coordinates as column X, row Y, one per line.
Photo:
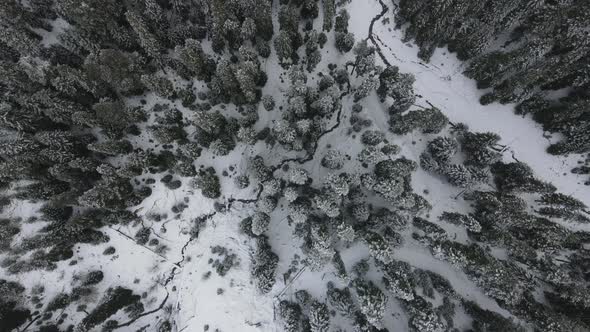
column 239, row 307
column 50, row 37
column 193, row 302
column 442, row 83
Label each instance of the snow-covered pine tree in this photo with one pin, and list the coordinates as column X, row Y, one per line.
column 319, row 317
column 371, row 300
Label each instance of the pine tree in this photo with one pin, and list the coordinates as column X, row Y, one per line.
column 329, row 10
column 160, row 85
column 291, row 194
column 74, row 82
column 340, row 183
column 222, row 146
column 398, row 168
column 237, row 81
column 268, row 102
column 329, row 202
column 195, row 59
column 258, row 169
column 299, row 210
column 98, row 17
column 480, row 148
column 16, row 118
column 247, row 135
column 122, row 71
column 379, row 248
column 397, row 277
column 372, row 301
column 266, row 204
column 283, row 47
column 319, row 317
column 458, row 175
column 367, row 86
column 242, row 181
column 112, row 148
column 360, row 212
column 289, row 17
column 248, row 29
column 208, row 182
column 345, row 232
column 563, row 206
column 167, row 134
column 55, row 107
column 333, row 159
column 398, row 86
column 109, row 194
column 318, row 244
column 341, row 22
column 21, row 145
column 365, row 58
column 459, row 219
column 46, row 190
column 339, row 266
column 272, row 187
column 264, row 265
column 484, row 318
column 518, row 177
column 291, row 314
column 371, row 155
column 442, row 148
column 340, row 299
column 260, row 223
column 148, row 41
column 20, row 38
column 344, row 41
column 298, row 175
column 429, row 121
column 423, row 318
column 20, row 168
column 372, row 137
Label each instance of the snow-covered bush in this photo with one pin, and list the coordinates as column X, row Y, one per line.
column 260, row 222
column 333, row 159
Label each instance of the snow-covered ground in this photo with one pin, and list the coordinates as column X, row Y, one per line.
column 442, row 83
column 239, row 307
column 193, row 301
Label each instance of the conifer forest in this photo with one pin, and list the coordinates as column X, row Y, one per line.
column 295, row 165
